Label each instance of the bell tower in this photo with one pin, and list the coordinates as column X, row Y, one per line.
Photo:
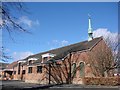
column 90, row 30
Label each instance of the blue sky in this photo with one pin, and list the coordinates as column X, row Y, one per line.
column 55, row 25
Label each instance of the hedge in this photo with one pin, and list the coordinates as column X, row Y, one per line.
column 112, row 81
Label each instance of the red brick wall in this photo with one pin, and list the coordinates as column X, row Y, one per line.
column 100, row 48
column 76, row 57
column 16, row 76
column 35, row 77
column 84, row 56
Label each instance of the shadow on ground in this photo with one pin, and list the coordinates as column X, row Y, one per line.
column 19, row 85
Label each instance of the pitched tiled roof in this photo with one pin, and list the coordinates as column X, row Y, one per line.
column 63, row 51
column 10, row 66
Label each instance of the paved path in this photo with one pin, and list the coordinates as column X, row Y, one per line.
column 19, row 85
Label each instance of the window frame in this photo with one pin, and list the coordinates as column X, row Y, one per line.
column 82, row 74
column 73, row 69
column 45, row 58
column 30, row 69
column 39, row 70
column 23, row 71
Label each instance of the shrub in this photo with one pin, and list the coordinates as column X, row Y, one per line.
column 112, row 81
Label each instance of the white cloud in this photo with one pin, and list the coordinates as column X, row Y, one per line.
column 25, row 20
column 64, row 42
column 28, row 22
column 111, row 38
column 20, row 55
column 106, row 34
column 56, row 43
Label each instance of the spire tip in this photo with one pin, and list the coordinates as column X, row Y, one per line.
column 89, row 16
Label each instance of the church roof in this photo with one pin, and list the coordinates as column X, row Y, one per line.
column 63, row 51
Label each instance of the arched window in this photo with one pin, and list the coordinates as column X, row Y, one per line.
column 82, row 69
column 73, row 69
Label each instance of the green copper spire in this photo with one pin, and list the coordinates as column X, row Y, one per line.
column 90, row 33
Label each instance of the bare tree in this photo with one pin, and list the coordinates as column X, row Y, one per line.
column 3, row 56
column 63, row 71
column 101, row 61
column 104, row 59
column 115, row 48
column 9, row 22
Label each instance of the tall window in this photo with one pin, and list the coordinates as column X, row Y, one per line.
column 14, row 72
column 23, row 72
column 82, row 69
column 39, row 69
column 30, row 62
column 29, row 69
column 45, row 58
column 19, row 68
column 73, row 69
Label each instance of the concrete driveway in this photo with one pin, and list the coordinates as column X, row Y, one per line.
column 19, row 85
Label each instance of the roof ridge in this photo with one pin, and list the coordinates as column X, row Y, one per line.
column 62, row 51
column 58, row 48
column 71, row 46
column 70, row 50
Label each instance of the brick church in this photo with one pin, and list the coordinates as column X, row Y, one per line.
column 68, row 64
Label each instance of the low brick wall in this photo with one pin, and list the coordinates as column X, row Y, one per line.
column 112, row 81
column 36, row 81
column 77, row 81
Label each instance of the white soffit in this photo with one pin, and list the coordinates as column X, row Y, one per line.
column 48, row 55
column 32, row 59
column 21, row 61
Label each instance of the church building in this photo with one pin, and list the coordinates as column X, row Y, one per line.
column 68, row 64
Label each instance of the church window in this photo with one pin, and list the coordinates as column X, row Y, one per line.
column 82, row 69
column 73, row 69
